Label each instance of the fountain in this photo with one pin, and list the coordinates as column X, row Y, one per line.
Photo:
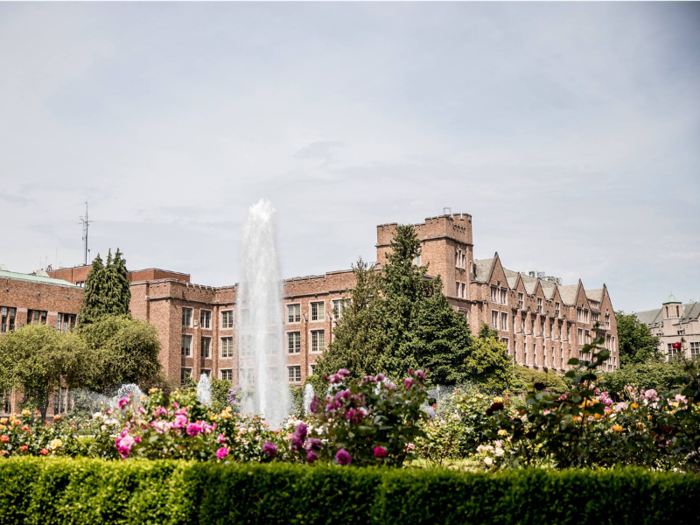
column 261, row 360
column 308, row 398
column 127, row 390
column 204, row 390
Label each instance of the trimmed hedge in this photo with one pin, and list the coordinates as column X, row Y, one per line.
column 80, row 491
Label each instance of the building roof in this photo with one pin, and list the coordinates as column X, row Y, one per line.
column 568, row 293
column 35, row 279
column 511, row 277
column 482, row 269
column 595, row 295
column 671, row 299
column 548, row 288
column 691, row 312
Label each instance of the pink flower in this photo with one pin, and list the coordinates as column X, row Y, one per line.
column 313, row 444
column 193, row 429
column 123, row 402
column 343, row 457
column 420, row 375
column 222, row 453
column 221, row 438
column 619, row 407
column 314, row 406
column 161, row 427
column 335, row 378
column 379, row 452
column 408, row 382
column 389, row 385
column 160, row 412
column 681, row 399
column 180, row 421
column 380, row 377
column 269, row 449
column 343, row 372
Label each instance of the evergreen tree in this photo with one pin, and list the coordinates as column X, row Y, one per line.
column 107, row 289
column 636, row 342
column 400, row 319
column 94, row 298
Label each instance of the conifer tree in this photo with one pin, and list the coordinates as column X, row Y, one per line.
column 93, row 299
column 107, row 289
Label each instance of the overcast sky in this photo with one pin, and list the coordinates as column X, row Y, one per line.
column 571, row 133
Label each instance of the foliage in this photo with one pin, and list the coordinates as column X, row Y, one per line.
column 659, row 375
column 38, row 359
column 525, row 377
column 107, row 289
column 399, row 319
column 635, row 341
column 373, row 420
column 442, row 440
column 86, row 491
column 220, row 389
column 125, row 350
column 489, row 364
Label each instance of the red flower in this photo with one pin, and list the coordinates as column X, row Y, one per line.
column 43, row 452
column 5, row 438
column 23, row 448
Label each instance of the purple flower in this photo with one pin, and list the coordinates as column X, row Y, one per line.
column 180, row 421
column 296, row 444
column 343, row 372
column 314, row 406
column 222, row 453
column 335, row 378
column 193, row 429
column 313, row 444
column 269, row 448
column 379, row 452
column 343, row 457
column 300, row 431
column 123, row 402
column 311, row 456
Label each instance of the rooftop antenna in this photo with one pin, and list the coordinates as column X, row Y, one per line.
column 86, row 224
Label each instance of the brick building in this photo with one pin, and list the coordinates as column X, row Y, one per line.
column 543, row 322
column 675, row 322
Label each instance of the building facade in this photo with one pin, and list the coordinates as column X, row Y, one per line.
column 542, row 322
column 677, row 323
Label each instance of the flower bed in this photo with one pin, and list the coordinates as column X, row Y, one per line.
column 88, row 491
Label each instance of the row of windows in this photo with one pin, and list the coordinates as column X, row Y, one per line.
column 318, row 313
column 8, row 316
column 7, row 321
column 247, row 375
column 318, row 344
column 461, row 289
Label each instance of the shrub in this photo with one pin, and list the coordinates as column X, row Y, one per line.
column 85, row 491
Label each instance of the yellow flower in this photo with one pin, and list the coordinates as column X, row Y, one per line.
column 577, row 419
column 617, row 428
column 498, row 399
column 153, row 391
column 479, row 396
column 3, row 420
column 502, row 432
column 640, row 425
column 56, row 443
column 26, row 412
column 648, row 416
column 634, row 405
column 598, row 416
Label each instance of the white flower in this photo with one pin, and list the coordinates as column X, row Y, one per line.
column 499, row 452
column 97, row 415
column 488, row 461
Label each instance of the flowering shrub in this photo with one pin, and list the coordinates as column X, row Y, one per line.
column 366, row 422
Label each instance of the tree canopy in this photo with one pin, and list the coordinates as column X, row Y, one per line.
column 398, row 318
column 635, row 341
column 107, row 289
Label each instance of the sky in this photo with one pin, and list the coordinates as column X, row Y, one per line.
column 569, row 131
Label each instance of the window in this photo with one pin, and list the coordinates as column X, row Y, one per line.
column 678, row 313
column 226, row 373
column 318, row 340
column 586, row 316
column 186, row 346
column 227, row 319
column 588, row 337
column 494, row 319
column 205, row 348
column 504, row 321
column 65, row 322
column 247, row 375
column 557, row 312
column 595, row 318
column 81, row 284
column 227, row 347
column 506, row 342
column 185, row 374
column 539, row 305
column 504, row 296
column 294, row 342
column 294, row 373
column 338, row 306
column 464, row 290
column 608, row 341
column 186, row 317
column 318, row 311
column 36, row 317
column 695, row 349
column 416, row 261
column 8, row 319
column 580, row 336
column 525, row 353
column 494, row 294
column 312, row 368
column 205, row 319
column 521, row 303
column 579, row 315
column 607, row 322
column 206, row 372
column 293, row 313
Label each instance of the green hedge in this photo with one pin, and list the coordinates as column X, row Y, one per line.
column 68, row 491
